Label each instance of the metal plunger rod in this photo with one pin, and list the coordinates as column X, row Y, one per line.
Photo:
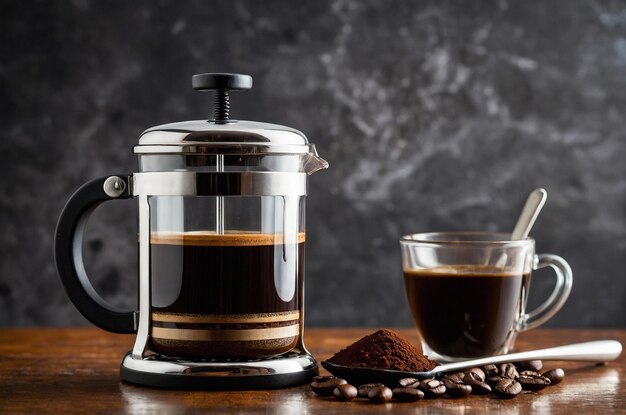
column 219, row 200
column 221, row 83
column 221, row 109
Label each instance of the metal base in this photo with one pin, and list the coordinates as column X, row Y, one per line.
column 291, row 369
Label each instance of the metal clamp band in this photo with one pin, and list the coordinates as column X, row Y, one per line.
column 225, row 148
column 186, row 183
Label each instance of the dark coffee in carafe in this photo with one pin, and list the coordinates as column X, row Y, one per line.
column 236, row 295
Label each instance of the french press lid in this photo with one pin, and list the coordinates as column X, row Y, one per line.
column 221, row 134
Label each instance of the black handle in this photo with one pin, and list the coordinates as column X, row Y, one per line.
column 69, row 257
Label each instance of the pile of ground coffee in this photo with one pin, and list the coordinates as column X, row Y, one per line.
column 383, row 349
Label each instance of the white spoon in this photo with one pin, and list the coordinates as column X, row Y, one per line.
column 534, row 203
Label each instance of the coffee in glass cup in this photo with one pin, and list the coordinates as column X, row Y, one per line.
column 468, row 291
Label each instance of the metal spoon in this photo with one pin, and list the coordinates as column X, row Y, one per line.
column 594, row 351
column 534, row 203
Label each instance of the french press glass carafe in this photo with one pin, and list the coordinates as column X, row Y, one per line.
column 221, row 251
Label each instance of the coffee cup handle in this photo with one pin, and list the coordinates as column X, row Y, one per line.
column 69, row 257
column 558, row 297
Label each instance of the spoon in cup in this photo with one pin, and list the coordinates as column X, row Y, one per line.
column 534, row 203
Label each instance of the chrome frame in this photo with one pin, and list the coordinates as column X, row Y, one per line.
column 189, row 183
column 145, row 289
column 225, row 148
column 160, row 365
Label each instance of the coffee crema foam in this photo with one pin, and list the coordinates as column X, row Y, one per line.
column 464, row 271
column 232, row 238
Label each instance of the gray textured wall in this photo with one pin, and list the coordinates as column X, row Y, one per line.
column 433, row 116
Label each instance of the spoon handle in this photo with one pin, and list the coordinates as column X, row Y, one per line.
column 594, row 351
column 529, row 214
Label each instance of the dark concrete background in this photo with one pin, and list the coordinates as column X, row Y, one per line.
column 433, row 116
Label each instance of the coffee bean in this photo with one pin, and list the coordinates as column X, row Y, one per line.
column 458, row 376
column 345, row 392
column 534, row 365
column 365, row 389
column 409, row 383
column 456, row 388
column 407, row 394
column 321, row 378
column 555, row 375
column 380, row 394
column 491, row 381
column 482, row 388
column 490, row 370
column 532, row 381
column 508, row 388
column 478, row 386
column 478, row 372
column 325, row 385
column 508, row 371
column 432, row 388
column 472, row 377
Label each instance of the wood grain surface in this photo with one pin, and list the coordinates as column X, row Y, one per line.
column 76, row 371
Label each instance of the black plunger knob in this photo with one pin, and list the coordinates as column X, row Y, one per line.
column 221, row 83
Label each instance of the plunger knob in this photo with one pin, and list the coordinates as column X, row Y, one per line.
column 221, row 83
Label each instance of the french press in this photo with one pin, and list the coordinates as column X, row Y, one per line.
column 221, row 251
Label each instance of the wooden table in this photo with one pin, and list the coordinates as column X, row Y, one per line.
column 76, row 371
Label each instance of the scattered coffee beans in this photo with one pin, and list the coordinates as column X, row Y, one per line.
column 532, row 381
column 508, row 388
column 432, row 388
column 380, row 394
column 534, row 365
column 555, row 375
column 325, row 385
column 365, row 389
column 456, row 385
column 407, row 394
column 345, row 392
column 456, row 388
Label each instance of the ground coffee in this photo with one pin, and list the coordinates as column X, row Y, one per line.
column 383, row 349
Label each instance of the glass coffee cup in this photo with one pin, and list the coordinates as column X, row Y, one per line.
column 468, row 291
